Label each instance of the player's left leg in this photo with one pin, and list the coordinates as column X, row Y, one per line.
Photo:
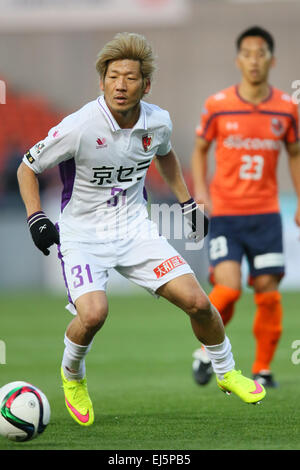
column 225, row 256
column 186, row 293
column 224, row 295
column 151, row 262
column 267, row 326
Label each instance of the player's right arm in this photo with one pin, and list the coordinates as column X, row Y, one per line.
column 58, row 146
column 199, row 172
column 29, row 189
column 43, row 231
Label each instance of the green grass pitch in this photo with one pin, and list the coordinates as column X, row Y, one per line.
column 140, row 380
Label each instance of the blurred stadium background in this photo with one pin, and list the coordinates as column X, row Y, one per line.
column 48, row 50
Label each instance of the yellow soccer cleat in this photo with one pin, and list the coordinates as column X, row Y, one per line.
column 250, row 391
column 77, row 400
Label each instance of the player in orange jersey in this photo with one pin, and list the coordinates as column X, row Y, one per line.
column 249, row 123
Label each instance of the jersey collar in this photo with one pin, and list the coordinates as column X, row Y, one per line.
column 141, row 123
column 249, row 102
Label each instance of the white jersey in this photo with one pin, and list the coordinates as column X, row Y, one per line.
column 103, row 169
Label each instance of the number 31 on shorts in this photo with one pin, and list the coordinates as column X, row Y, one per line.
column 81, row 275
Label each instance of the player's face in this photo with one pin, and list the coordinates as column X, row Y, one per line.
column 123, row 85
column 254, row 60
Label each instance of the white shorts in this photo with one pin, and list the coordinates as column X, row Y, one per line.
column 148, row 260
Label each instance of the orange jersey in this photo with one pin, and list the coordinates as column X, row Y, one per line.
column 248, row 142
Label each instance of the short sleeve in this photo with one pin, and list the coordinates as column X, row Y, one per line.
column 165, row 146
column 58, row 146
column 292, row 133
column 207, row 126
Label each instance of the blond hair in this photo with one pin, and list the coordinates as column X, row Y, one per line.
column 129, row 46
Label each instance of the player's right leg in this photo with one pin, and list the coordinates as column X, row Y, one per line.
column 86, row 284
column 91, row 314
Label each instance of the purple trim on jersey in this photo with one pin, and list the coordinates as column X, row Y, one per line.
column 60, row 257
column 67, row 172
column 145, row 122
column 107, row 115
column 145, row 194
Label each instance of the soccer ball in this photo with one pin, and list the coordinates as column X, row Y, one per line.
column 24, row 411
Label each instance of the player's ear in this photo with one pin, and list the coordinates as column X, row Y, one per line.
column 273, row 61
column 237, row 62
column 101, row 85
column 147, row 86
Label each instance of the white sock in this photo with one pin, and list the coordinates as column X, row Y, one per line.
column 221, row 357
column 73, row 362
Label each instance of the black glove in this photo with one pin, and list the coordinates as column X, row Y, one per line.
column 43, row 231
column 196, row 219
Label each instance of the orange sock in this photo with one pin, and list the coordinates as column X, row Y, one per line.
column 267, row 328
column 224, row 298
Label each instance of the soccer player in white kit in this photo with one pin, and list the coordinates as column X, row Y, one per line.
column 103, row 152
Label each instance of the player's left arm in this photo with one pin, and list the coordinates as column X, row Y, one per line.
column 293, row 150
column 169, row 168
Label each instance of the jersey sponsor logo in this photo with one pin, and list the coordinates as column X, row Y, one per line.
column 168, row 265
column 147, row 141
column 29, row 157
column 277, row 126
column 108, row 174
column 101, row 143
column 248, row 143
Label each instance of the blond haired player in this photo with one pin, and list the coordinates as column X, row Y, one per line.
column 103, row 151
